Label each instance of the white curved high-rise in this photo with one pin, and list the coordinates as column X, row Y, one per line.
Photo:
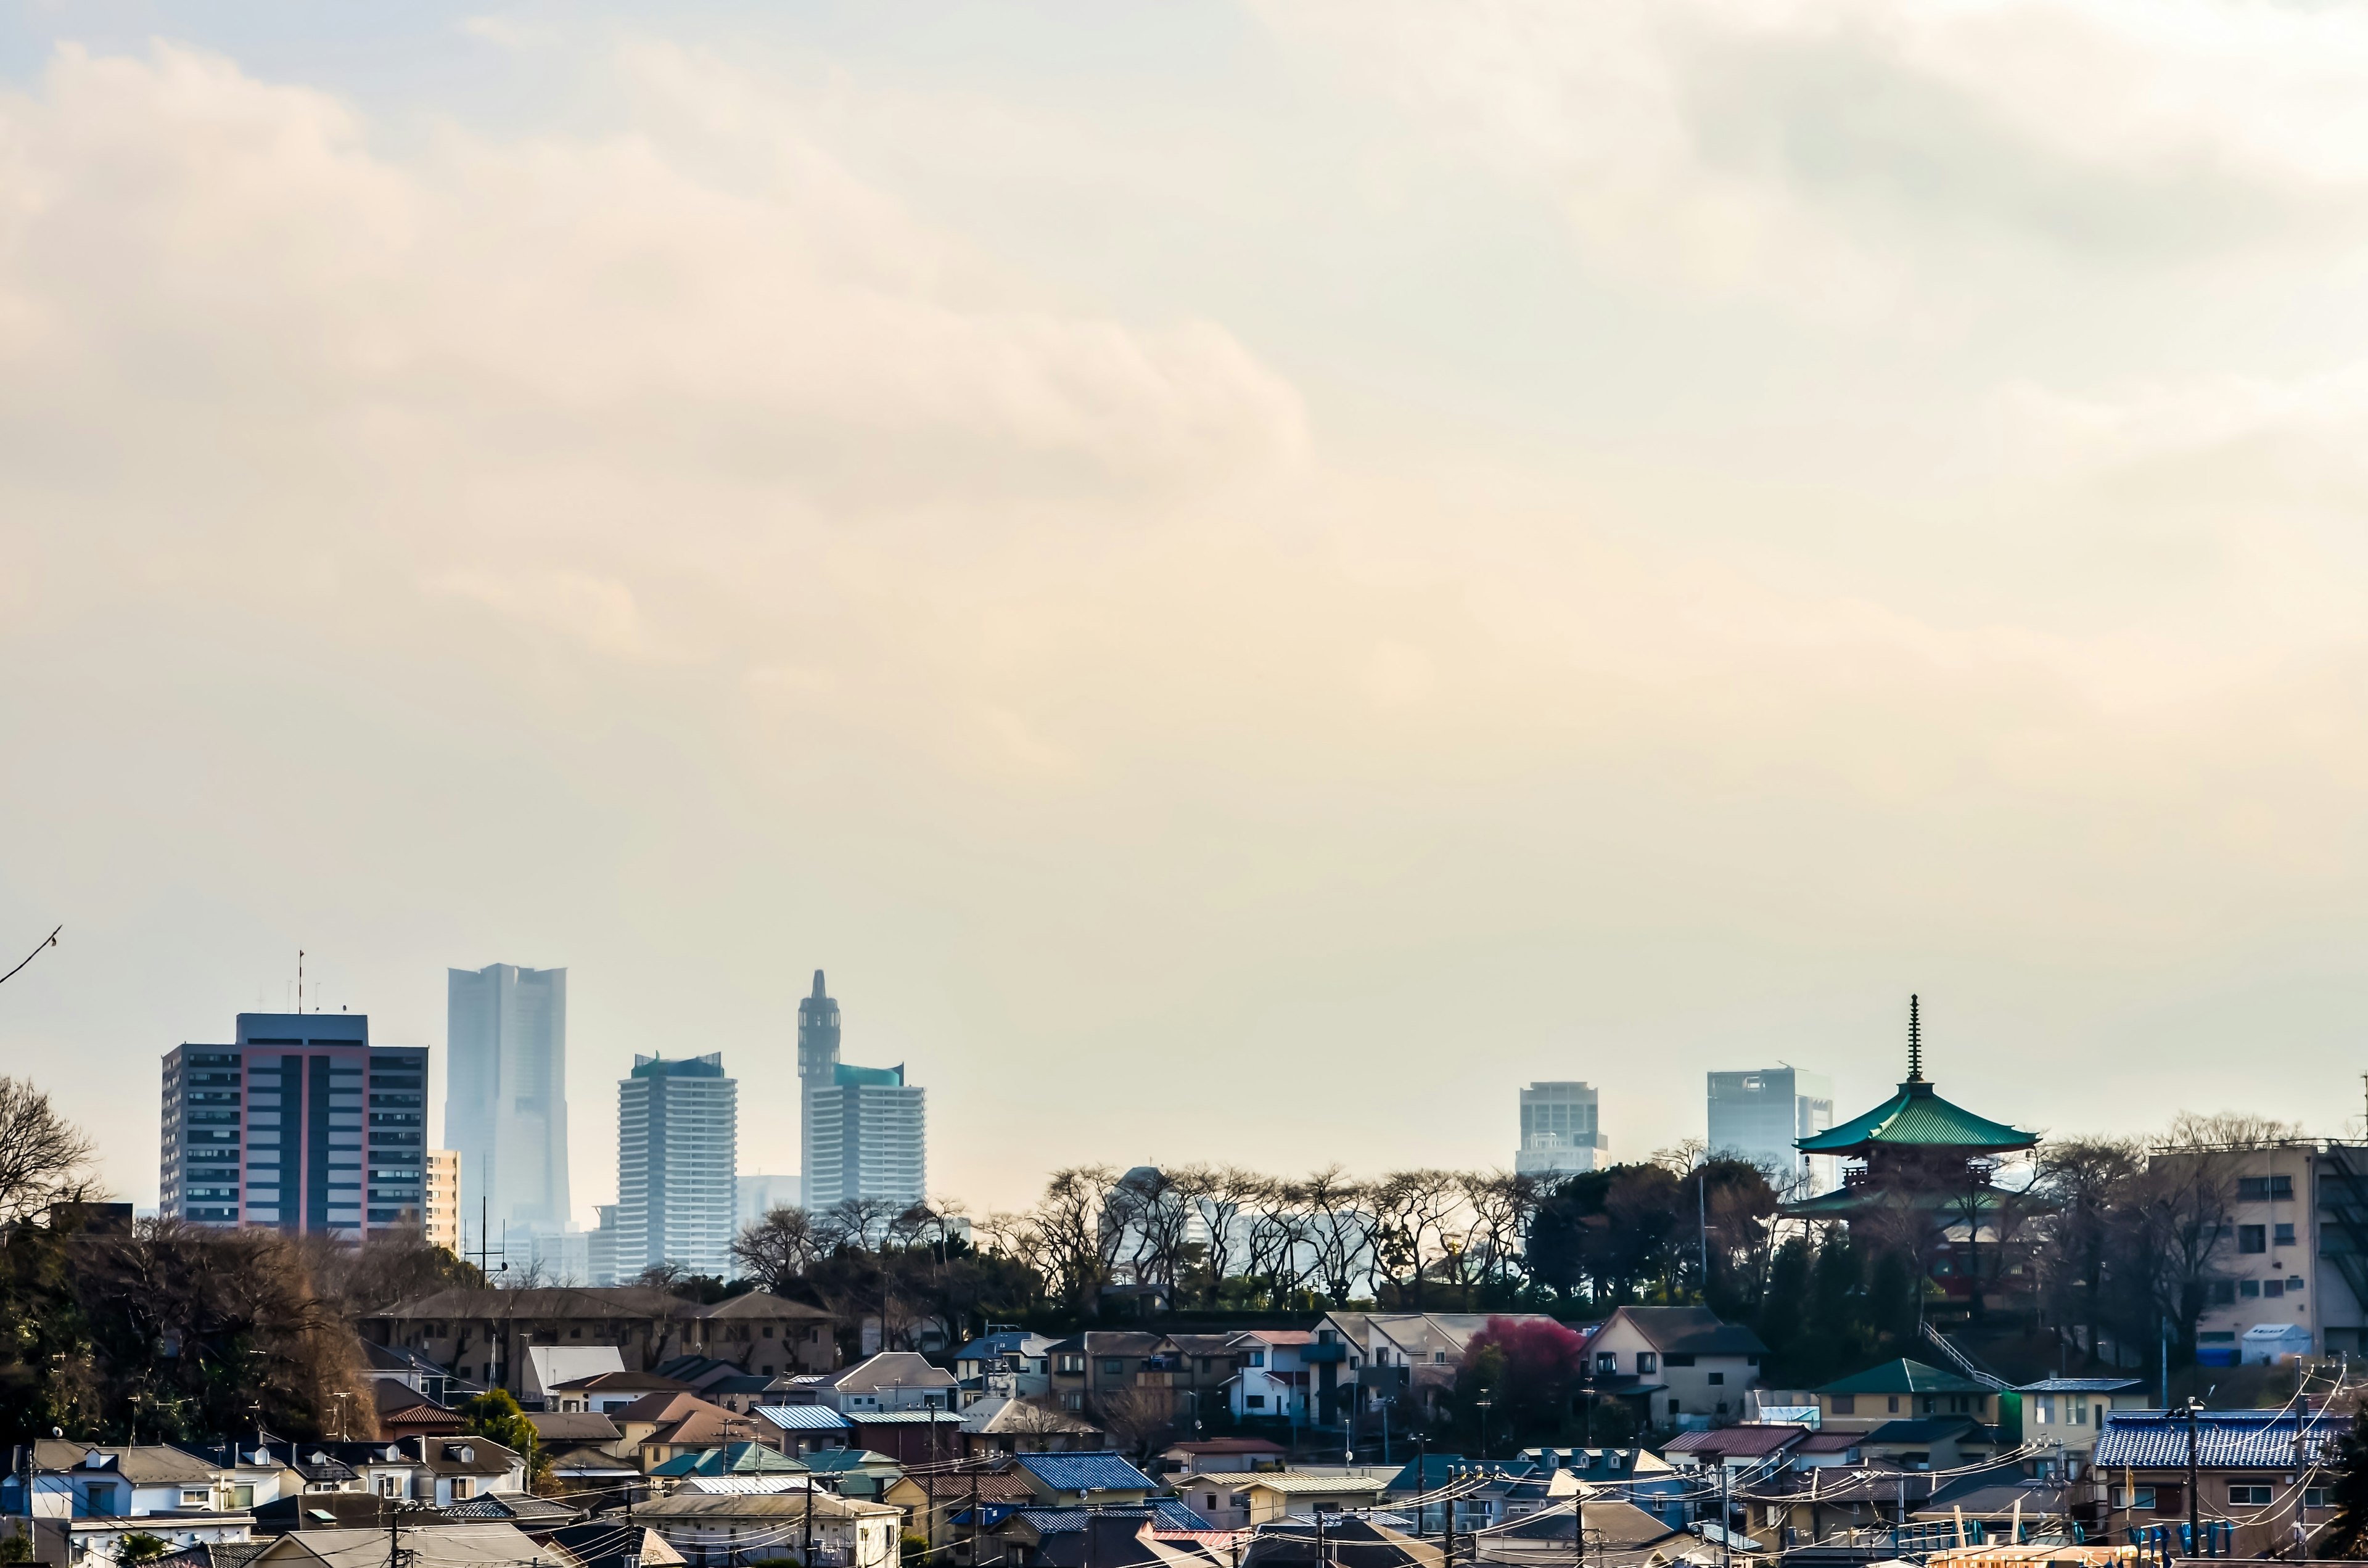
column 506, row 1097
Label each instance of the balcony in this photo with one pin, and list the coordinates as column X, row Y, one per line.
column 1317, row 1354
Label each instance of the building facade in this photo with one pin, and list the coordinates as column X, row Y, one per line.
column 677, row 1142
column 506, row 1097
column 299, row 1124
column 863, row 1131
column 1760, row 1115
column 440, row 1217
column 1559, row 1130
column 757, row 1195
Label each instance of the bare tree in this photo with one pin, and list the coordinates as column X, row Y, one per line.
column 1220, row 1196
column 1076, row 1248
column 44, row 1158
column 1340, row 1230
column 776, row 1250
column 1138, row 1421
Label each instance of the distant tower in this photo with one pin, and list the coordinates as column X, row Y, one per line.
column 677, row 1148
column 1559, row 1134
column 506, row 1097
column 863, row 1132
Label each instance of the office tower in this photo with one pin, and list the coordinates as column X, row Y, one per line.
column 301, row 1125
column 759, row 1195
column 863, row 1131
column 600, row 1247
column 678, row 1131
column 1558, row 1130
column 1757, row 1116
column 440, row 1217
column 506, row 1097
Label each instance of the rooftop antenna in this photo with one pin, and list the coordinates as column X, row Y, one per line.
column 1915, row 1043
column 299, row 980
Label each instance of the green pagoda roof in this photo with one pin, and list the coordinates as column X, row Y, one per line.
column 1917, row 1116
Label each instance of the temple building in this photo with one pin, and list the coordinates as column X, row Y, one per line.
column 1918, row 1178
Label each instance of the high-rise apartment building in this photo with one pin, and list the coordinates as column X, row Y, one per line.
column 863, row 1132
column 1758, row 1114
column 759, row 1194
column 299, row 1124
column 600, row 1247
column 678, row 1144
column 506, row 1096
column 439, row 1218
column 1559, row 1133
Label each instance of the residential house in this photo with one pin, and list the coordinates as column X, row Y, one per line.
column 1085, row 1480
column 607, row 1393
column 891, row 1381
column 1821, row 1503
column 1740, row 1450
column 909, row 1436
column 2068, row 1415
column 1930, row 1442
column 1246, row 1499
column 658, row 1427
column 404, row 1412
column 1012, row 1364
column 1090, row 1368
column 1272, row 1379
column 455, row 1469
column 1361, row 1359
column 800, row 1428
column 1026, row 1427
column 80, row 1500
column 1221, row 1454
column 549, row 1366
column 722, row 1382
column 1891, row 1389
column 484, row 1335
column 485, row 1545
column 733, row 1458
column 409, row 1370
column 933, row 1502
column 856, row 1473
column 2245, row 1459
column 1642, row 1476
column 1680, row 1365
column 586, row 1452
column 600, row 1543
column 731, row 1530
column 1110, row 1537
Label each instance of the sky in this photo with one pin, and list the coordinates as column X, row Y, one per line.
column 1246, row 576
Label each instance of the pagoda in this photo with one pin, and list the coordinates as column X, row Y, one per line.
column 1919, row 1160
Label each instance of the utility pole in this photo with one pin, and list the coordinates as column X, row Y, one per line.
column 1725, row 1545
column 1421, row 1476
column 805, row 1555
column 2302, row 1487
column 2195, row 1500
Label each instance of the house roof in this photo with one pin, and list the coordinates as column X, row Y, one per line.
column 1291, row 1482
column 802, row 1417
column 1278, row 1336
column 1165, row 1513
column 2081, row 1385
column 838, row 1462
column 622, row 1383
column 1918, row 1117
column 1695, row 1331
column 471, row 1455
column 1921, row 1429
column 159, row 1463
column 573, row 1427
column 993, row 1486
column 609, row 1302
column 859, row 1419
column 1603, row 1464
column 1903, row 1376
column 433, row 1546
column 734, row 1458
column 2225, row 1439
column 1103, row 1471
column 891, row 1370
column 515, row 1506
column 760, row 1304
column 1830, row 1442
column 1736, row 1442
column 600, row 1543
column 1024, row 1415
column 1013, row 1341
column 769, row 1505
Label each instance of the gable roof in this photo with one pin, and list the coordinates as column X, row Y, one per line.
column 435, row 1546
column 1736, row 1442
column 573, row 1427
column 1103, row 1471
column 891, row 1370
column 1690, row 1330
column 159, row 1464
column 2225, row 1439
column 1903, row 1376
column 802, row 1417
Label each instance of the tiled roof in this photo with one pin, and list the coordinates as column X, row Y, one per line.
column 1299, row 1482
column 1692, row 1331
column 2081, row 1385
column 2225, row 1439
column 833, row 1461
column 858, row 1418
column 1917, row 1116
column 804, row 1417
column 1087, row 1471
column 1165, row 1513
column 1903, row 1376
column 1736, row 1442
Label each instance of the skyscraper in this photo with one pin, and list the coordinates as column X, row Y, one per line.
column 1758, row 1115
column 506, row 1096
column 301, row 1125
column 677, row 1147
column 863, row 1131
column 1558, row 1130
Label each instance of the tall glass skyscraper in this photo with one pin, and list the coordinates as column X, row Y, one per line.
column 506, row 1097
column 863, row 1132
column 1559, row 1135
column 1758, row 1115
column 678, row 1152
column 301, row 1125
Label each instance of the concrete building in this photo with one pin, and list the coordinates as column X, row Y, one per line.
column 678, row 1131
column 863, row 1131
column 1761, row 1114
column 1559, row 1132
column 299, row 1124
column 2293, row 1252
column 600, row 1247
column 440, row 1216
column 506, row 1097
column 757, row 1195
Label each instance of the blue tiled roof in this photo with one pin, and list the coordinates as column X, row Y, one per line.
column 1175, row 1516
column 2225, row 1439
column 1082, row 1472
column 1166, row 1512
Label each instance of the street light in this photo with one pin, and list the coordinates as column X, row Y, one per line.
column 1483, row 1402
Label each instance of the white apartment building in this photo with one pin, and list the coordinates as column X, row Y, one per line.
column 677, row 1142
column 1559, row 1131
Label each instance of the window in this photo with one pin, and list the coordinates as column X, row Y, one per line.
column 2252, row 1238
column 1717, row 1377
column 1956, row 1404
column 2314, row 1496
column 2139, row 1498
column 1675, row 1407
column 1212, row 1501
column 390, row 1486
column 2261, row 1190
column 98, row 1500
column 1845, row 1404
column 1258, row 1358
column 1073, row 1399
column 1255, row 1401
column 2075, row 1409
column 1113, row 1366
column 1073, row 1364
column 1646, row 1363
column 2281, row 1235
column 2294, row 1284
column 576, row 1333
column 2224, row 1291
column 1895, row 1404
column 2241, row 1495
column 1439, row 1357
column 2249, row 1287
column 1606, row 1362
column 462, row 1487
column 190, row 1499
column 2273, row 1287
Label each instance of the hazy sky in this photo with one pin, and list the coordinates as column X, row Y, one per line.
column 1245, row 577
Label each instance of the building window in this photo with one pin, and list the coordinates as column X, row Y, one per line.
column 1895, row 1403
column 1073, row 1399
column 1646, row 1363
column 463, row 1486
column 1258, row 1358
column 2224, row 1291
column 1607, row 1361
column 192, row 1499
column 2248, row 1496
column 2273, row 1287
column 2249, row 1287
column 2314, row 1496
column 1112, row 1366
column 2261, row 1190
column 1845, row 1404
column 1255, row 1401
column 1073, row 1364
column 2252, row 1238
column 2281, row 1235
column 1717, row 1377
column 2140, row 1498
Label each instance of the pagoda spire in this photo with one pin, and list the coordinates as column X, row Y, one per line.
column 1915, row 1043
